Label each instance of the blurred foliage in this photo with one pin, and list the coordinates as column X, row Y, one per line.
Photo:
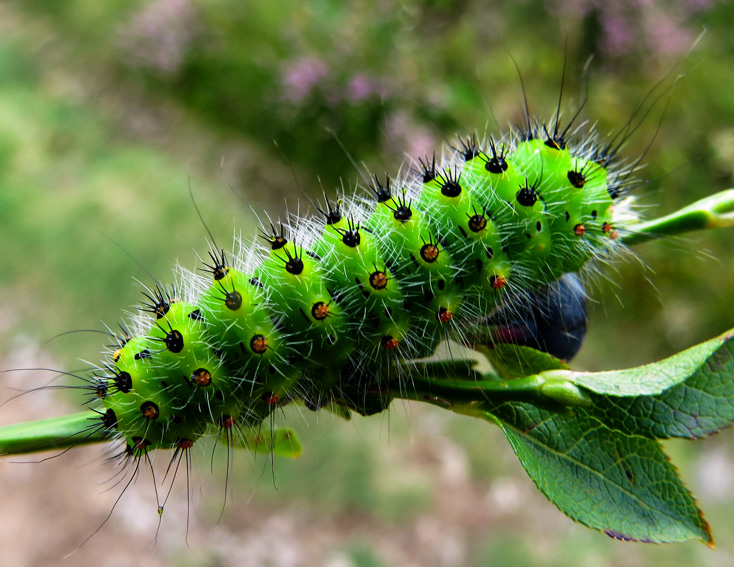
column 108, row 110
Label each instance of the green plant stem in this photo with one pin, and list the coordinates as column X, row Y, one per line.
column 51, row 434
column 538, row 388
column 716, row 211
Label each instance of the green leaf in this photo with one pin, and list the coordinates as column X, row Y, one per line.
column 596, row 456
column 698, row 401
column 283, row 442
column 620, row 484
column 701, row 405
column 654, row 378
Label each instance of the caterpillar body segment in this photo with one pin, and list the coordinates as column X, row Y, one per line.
column 337, row 300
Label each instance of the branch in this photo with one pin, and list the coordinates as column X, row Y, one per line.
column 716, row 211
column 52, row 434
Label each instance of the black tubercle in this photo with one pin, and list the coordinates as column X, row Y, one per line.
column 555, row 140
column 478, row 221
column 468, row 147
column 275, row 238
column 123, row 381
column 381, row 192
column 527, row 196
column 160, row 302
column 232, row 298
column 428, row 170
column 450, row 183
column 614, row 188
column 174, row 341
column 525, row 133
column 496, row 162
column 331, row 214
column 350, row 235
column 109, row 419
column 125, row 337
column 293, row 262
column 576, row 178
column 218, row 268
column 143, row 354
column 402, row 211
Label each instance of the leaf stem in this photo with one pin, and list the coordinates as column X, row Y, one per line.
column 715, row 211
column 534, row 388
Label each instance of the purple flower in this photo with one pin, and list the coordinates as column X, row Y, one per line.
column 301, row 76
column 696, row 6
column 159, row 34
column 360, row 87
column 642, row 26
column 618, row 34
column 665, row 35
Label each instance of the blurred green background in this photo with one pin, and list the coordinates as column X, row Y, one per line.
column 110, row 110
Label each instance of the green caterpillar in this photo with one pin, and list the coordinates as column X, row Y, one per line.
column 329, row 310
column 345, row 311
